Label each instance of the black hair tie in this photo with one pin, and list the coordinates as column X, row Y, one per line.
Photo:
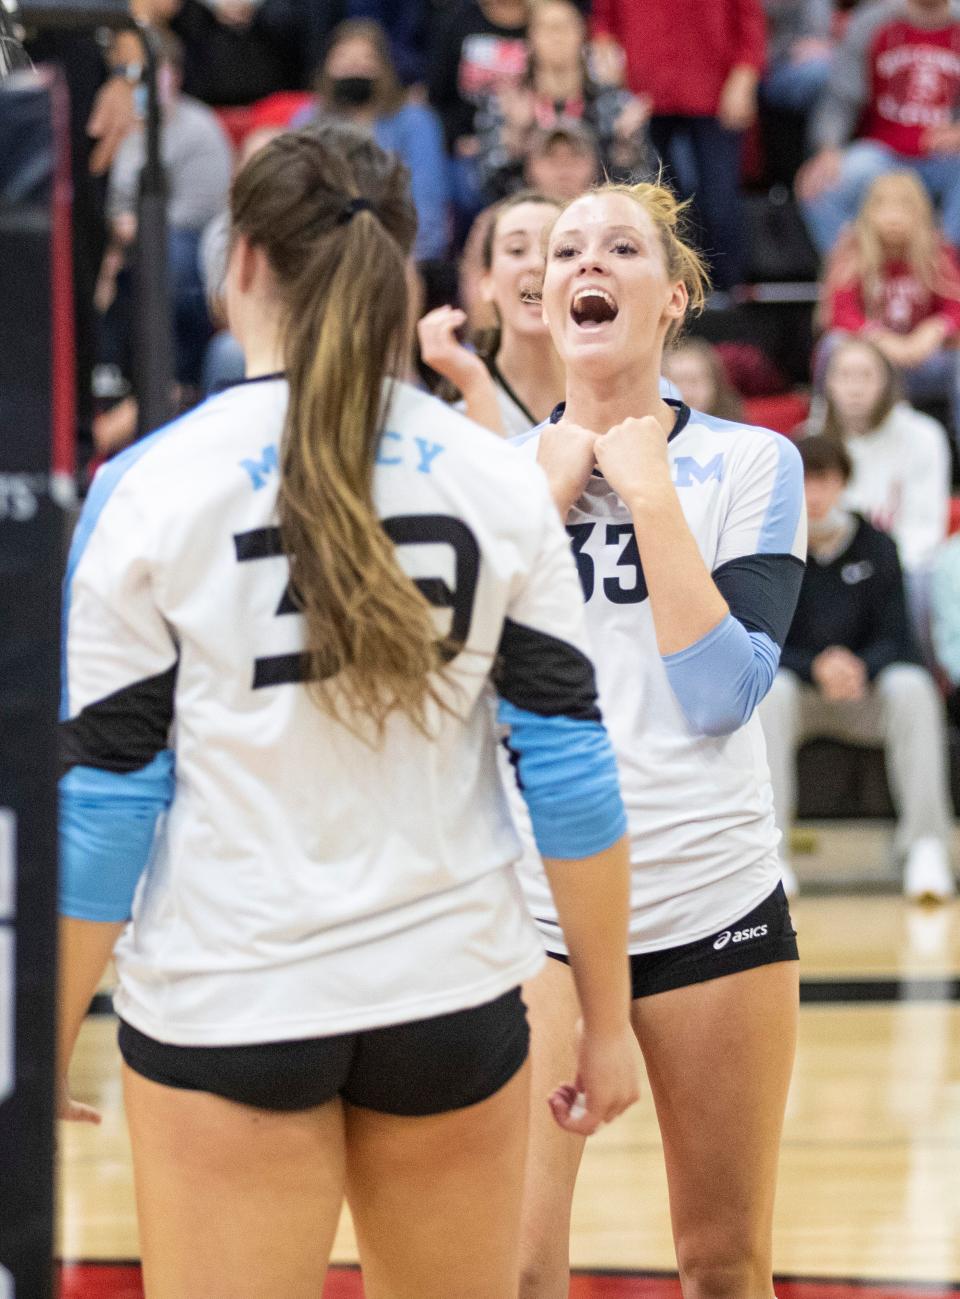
column 351, row 208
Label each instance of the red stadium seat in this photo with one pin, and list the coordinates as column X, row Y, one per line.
column 782, row 412
column 274, row 110
column 236, row 122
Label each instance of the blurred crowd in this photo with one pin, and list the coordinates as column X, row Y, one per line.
column 823, row 125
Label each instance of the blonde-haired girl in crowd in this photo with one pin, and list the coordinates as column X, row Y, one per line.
column 286, row 616
column 894, row 279
column 689, row 534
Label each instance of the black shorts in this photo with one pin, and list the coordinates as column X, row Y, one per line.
column 425, row 1067
column 763, row 936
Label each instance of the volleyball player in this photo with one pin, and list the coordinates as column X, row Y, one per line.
column 286, row 615
column 514, row 378
column 689, row 535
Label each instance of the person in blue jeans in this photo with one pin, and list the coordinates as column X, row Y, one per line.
column 357, row 83
column 891, row 104
column 799, row 53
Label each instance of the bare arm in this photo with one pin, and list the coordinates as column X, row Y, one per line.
column 85, row 949
column 443, row 352
column 685, row 601
column 593, row 899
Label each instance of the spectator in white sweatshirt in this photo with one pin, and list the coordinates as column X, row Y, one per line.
column 901, row 462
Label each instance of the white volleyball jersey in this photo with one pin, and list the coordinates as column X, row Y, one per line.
column 302, row 882
column 700, row 807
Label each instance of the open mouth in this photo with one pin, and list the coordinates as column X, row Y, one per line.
column 531, row 291
column 592, row 308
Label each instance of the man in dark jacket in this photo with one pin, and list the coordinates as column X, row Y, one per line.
column 850, row 670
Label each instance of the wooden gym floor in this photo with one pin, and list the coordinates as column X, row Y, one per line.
column 869, row 1194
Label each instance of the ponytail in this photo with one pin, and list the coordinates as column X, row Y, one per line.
column 338, row 251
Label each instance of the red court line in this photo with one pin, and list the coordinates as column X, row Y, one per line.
column 122, row 1281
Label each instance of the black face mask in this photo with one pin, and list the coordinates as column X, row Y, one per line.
column 352, row 92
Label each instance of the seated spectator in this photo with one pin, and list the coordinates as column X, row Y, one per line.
column 850, row 670
column 357, row 83
column 479, row 47
column 197, row 160
column 699, row 64
column 238, row 51
column 891, row 101
column 512, row 378
column 557, row 90
column 697, row 369
column 562, row 162
column 893, row 279
column 900, row 477
column 945, row 617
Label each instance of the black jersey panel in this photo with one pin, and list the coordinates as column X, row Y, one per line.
column 124, row 731
column 544, row 675
column 762, row 592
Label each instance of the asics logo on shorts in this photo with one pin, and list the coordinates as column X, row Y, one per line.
column 739, row 936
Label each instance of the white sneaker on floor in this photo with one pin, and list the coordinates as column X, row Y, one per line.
column 791, row 885
column 927, row 876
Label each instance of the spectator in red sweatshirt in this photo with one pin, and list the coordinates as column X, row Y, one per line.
column 699, row 63
column 893, row 101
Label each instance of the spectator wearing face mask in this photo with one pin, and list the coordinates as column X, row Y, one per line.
column 357, row 83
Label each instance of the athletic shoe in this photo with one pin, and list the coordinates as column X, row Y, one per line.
column 927, row 876
column 791, row 885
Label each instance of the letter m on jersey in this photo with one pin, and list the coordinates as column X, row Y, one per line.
column 260, row 470
column 689, row 470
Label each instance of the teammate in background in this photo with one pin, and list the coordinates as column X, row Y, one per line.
column 286, row 614
column 514, row 378
column 689, row 534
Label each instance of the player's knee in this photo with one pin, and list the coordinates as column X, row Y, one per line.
column 540, row 1280
column 723, row 1273
column 545, row 1271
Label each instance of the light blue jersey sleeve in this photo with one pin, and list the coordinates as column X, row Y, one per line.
column 119, row 669
column 719, row 680
column 560, row 750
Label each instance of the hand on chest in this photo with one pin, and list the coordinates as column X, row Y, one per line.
column 603, row 537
